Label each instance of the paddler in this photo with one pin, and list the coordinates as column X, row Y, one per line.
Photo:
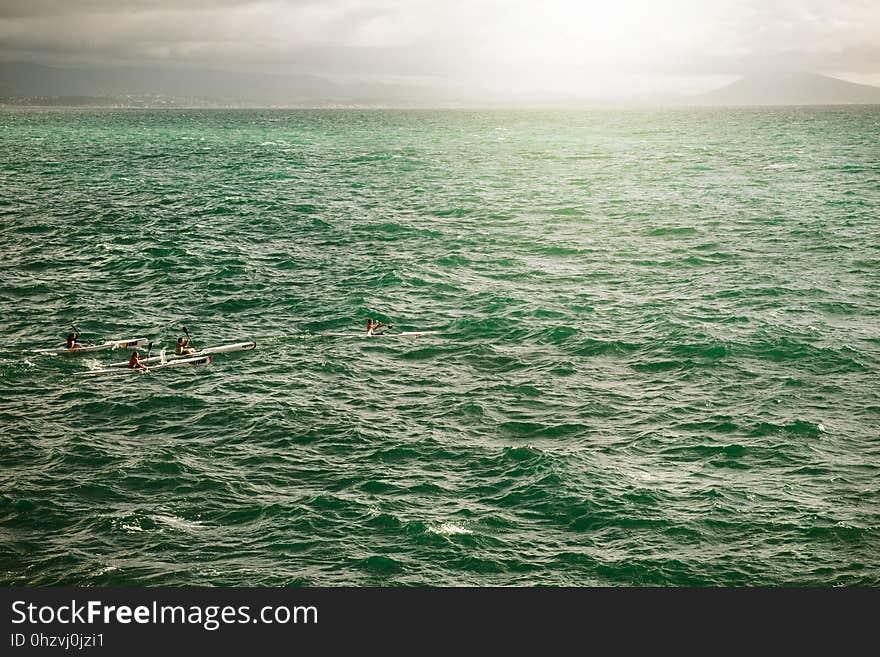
column 73, row 341
column 372, row 327
column 135, row 361
column 184, row 346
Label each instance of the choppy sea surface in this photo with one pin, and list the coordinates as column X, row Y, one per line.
column 656, row 358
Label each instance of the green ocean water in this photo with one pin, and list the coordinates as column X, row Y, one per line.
column 657, row 358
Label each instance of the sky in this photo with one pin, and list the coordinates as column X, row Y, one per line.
column 557, row 48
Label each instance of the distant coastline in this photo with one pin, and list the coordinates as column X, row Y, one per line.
column 31, row 85
column 111, row 103
column 162, row 102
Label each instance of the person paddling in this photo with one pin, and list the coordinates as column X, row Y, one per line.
column 372, row 327
column 135, row 361
column 184, row 346
column 74, row 340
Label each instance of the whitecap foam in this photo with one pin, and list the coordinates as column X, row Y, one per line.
column 105, row 570
column 448, row 529
column 179, row 523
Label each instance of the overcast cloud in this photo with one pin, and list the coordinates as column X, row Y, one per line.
column 569, row 47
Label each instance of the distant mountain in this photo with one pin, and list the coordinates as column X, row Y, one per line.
column 184, row 85
column 790, row 89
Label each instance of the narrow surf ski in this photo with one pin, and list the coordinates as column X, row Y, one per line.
column 403, row 334
column 111, row 344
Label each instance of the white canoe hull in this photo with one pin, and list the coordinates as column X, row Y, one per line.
column 198, row 360
column 404, row 334
column 111, row 344
column 222, row 349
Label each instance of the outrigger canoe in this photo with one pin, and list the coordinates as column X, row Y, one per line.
column 222, row 349
column 198, row 360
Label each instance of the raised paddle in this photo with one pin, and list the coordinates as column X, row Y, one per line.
column 149, row 349
column 78, row 334
column 188, row 339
